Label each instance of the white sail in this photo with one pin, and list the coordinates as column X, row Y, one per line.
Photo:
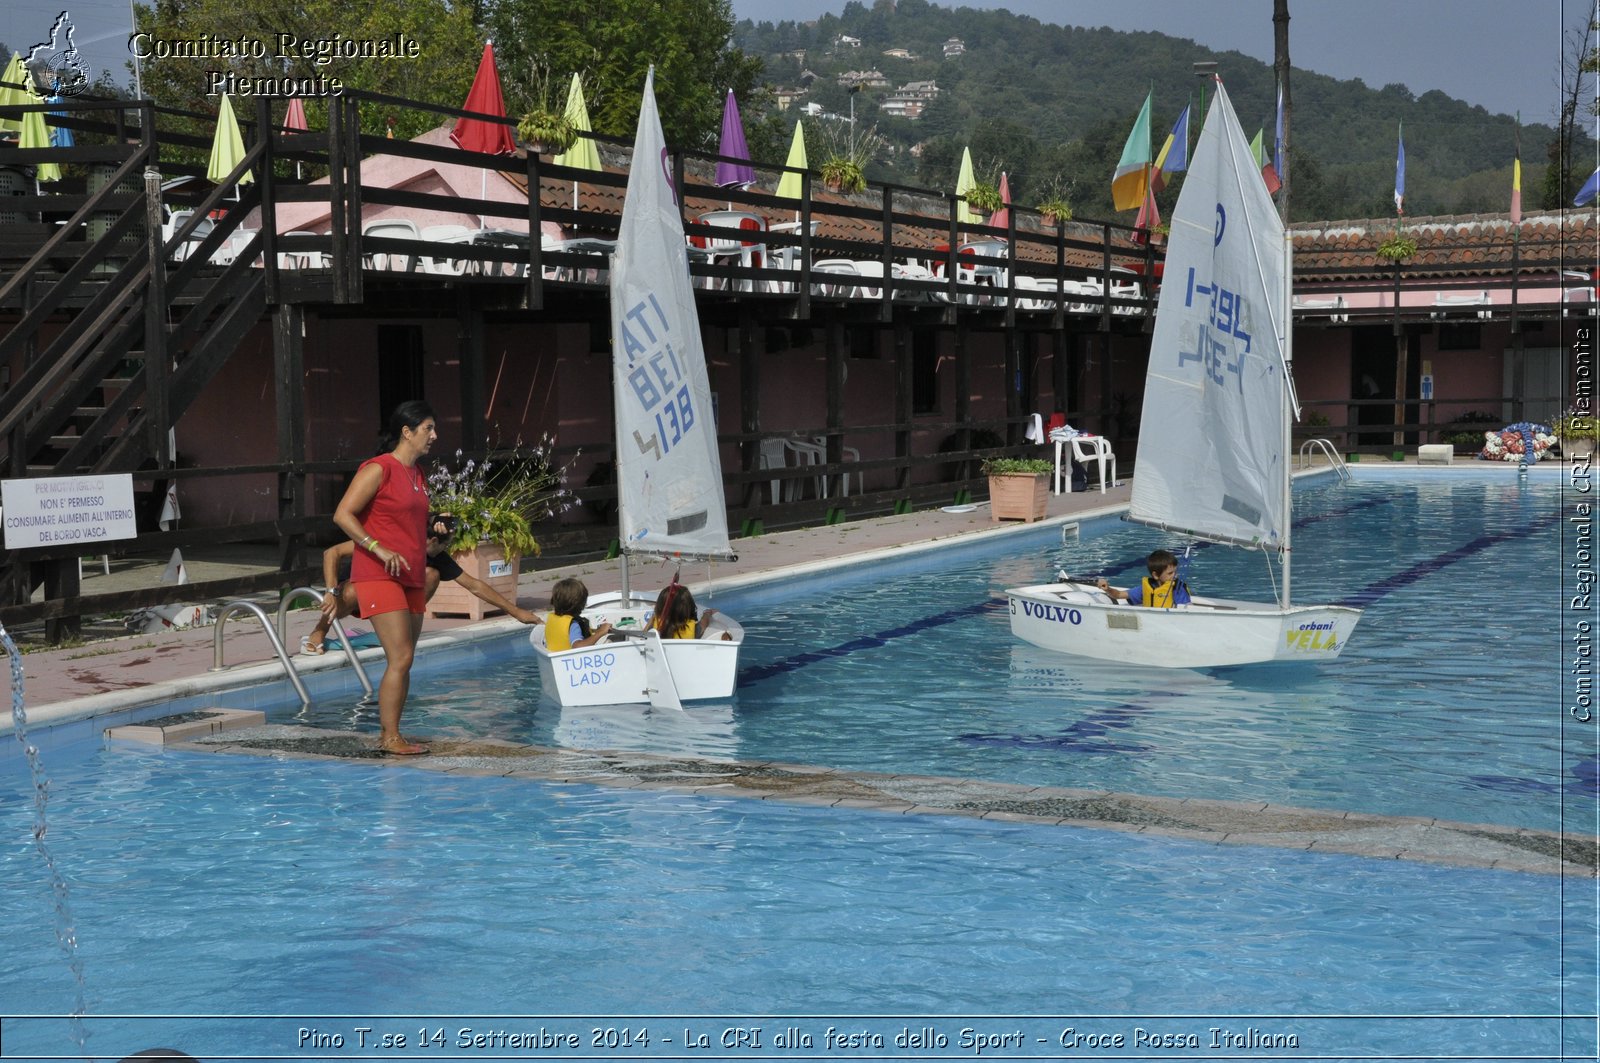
column 1212, row 452
column 669, row 475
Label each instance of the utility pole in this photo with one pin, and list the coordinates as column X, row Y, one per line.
column 1280, row 67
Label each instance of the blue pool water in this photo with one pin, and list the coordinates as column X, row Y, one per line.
column 223, row 885
column 207, row 885
column 1446, row 703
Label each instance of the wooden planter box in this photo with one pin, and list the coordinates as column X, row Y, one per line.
column 1019, row 496
column 488, row 563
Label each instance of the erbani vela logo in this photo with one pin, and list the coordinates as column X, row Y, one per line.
column 54, row 63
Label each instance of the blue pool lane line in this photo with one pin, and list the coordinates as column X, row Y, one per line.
column 1405, row 577
column 788, row 664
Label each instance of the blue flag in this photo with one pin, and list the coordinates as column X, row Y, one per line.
column 1400, row 175
column 1587, row 193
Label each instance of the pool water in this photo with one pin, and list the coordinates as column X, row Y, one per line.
column 226, row 885
column 1446, row 703
column 296, row 895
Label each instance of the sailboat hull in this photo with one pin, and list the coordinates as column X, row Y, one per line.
column 1075, row 618
column 618, row 673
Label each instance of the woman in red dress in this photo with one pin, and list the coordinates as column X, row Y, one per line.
column 385, row 512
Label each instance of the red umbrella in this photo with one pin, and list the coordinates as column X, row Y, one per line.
column 475, row 134
column 1002, row 217
column 295, row 119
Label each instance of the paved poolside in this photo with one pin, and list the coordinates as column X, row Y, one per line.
column 131, row 671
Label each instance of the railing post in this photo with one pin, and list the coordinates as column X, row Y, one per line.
column 803, row 311
column 535, row 234
column 157, row 362
column 886, row 306
column 269, row 200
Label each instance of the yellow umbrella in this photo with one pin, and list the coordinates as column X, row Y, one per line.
column 582, row 154
column 17, row 74
column 35, row 135
column 964, row 212
column 227, row 147
column 789, row 184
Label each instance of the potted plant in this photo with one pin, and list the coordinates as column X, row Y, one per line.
column 841, row 174
column 545, row 131
column 1054, row 209
column 983, row 197
column 1576, row 433
column 492, row 506
column 1019, row 488
column 1397, row 247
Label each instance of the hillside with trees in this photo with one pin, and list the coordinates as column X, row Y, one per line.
column 1053, row 105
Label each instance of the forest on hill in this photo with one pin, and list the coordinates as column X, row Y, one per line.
column 1053, row 105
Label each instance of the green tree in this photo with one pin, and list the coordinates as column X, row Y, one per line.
column 611, row 44
column 449, row 48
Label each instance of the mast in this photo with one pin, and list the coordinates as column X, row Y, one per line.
column 1288, row 404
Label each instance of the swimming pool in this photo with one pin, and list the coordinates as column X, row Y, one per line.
column 243, row 886
column 206, row 885
column 1447, row 703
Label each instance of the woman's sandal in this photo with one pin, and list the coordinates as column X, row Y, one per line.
column 311, row 649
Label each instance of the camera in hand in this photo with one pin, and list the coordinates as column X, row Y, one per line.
column 438, row 520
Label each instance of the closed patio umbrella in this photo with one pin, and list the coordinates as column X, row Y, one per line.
column 227, row 147
column 295, row 121
column 35, row 135
column 964, row 181
column 732, row 145
column 789, row 183
column 476, row 134
column 60, row 135
column 16, row 74
column 1002, row 217
column 583, row 154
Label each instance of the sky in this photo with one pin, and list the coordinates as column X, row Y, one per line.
column 1502, row 55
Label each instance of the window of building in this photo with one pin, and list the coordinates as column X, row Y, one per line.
column 401, row 358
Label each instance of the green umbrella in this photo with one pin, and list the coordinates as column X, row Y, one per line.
column 17, row 74
column 789, row 184
column 35, row 135
column 964, row 182
column 227, row 147
column 582, row 154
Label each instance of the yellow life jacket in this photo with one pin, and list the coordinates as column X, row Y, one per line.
column 684, row 630
column 1158, row 595
column 558, row 632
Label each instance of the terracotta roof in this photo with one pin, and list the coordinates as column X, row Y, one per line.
column 1470, row 245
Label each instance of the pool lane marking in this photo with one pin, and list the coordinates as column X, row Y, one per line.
column 865, row 642
column 1405, row 577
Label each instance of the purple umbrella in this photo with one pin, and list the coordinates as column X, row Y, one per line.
column 733, row 146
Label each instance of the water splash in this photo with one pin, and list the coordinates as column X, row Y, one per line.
column 66, row 934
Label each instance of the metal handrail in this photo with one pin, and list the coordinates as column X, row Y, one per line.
column 1325, row 446
column 344, row 640
column 277, row 644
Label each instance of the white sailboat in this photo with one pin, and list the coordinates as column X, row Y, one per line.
column 1214, row 453
column 669, row 475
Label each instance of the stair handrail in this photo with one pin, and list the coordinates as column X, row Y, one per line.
column 344, row 640
column 1325, row 446
column 239, row 605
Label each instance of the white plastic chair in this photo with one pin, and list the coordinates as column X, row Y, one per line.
column 1086, row 449
column 446, row 234
column 393, row 228
column 301, row 259
column 840, row 266
column 774, row 454
column 848, row 454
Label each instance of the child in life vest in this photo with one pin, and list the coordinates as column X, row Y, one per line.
column 566, row 628
column 675, row 615
column 1160, row 590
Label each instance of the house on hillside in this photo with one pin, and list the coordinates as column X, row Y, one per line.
column 866, row 79
column 909, row 100
column 898, row 53
column 954, row 47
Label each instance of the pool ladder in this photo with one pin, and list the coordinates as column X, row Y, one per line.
column 275, row 634
column 1311, row 447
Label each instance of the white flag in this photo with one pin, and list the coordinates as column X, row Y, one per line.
column 175, row 572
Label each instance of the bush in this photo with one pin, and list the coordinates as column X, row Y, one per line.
column 1463, row 437
column 1016, row 466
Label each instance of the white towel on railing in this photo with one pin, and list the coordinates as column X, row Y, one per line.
column 1035, row 433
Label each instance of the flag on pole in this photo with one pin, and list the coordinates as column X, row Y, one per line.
column 1268, row 173
column 1149, row 219
column 1587, row 193
column 1132, row 179
column 1174, row 156
column 1400, row 173
column 1516, row 178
